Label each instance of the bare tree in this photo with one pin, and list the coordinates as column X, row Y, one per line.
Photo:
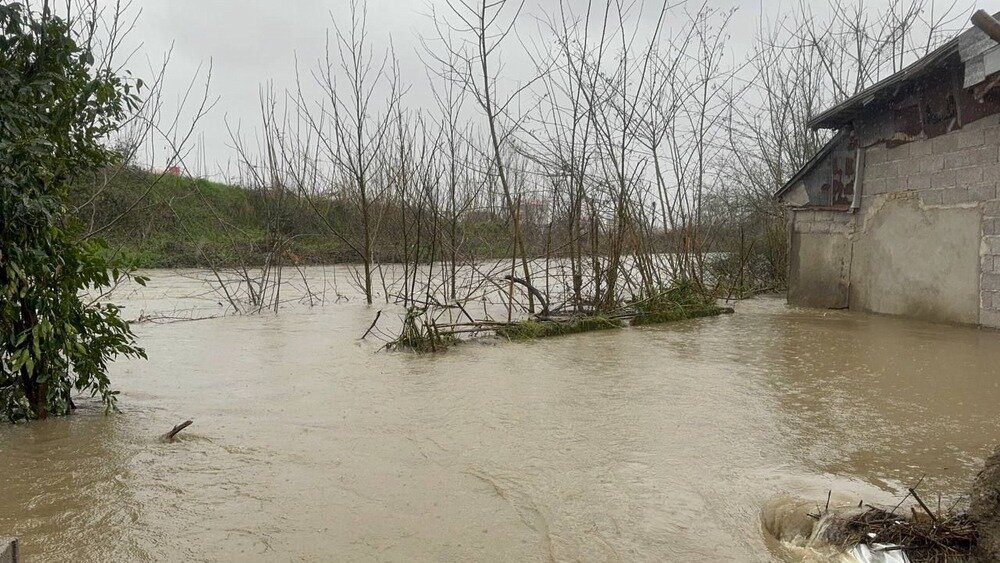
column 357, row 132
column 482, row 27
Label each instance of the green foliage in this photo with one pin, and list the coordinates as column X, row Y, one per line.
column 532, row 329
column 682, row 300
column 181, row 222
column 678, row 313
column 56, row 106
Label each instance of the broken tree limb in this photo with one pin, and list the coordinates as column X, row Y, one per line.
column 372, row 327
column 922, row 505
column 984, row 21
column 534, row 291
column 464, row 312
column 169, row 436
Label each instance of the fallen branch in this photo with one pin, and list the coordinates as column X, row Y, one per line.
column 169, row 436
column 534, row 291
column 372, row 327
column 922, row 505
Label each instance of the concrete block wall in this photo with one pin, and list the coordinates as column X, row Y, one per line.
column 958, row 170
column 823, row 221
column 819, row 267
column 990, row 288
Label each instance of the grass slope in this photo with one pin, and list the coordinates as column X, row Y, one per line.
column 171, row 221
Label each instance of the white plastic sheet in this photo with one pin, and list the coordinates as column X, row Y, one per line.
column 878, row 553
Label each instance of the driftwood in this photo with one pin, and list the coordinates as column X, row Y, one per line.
column 169, row 436
column 920, row 501
column 950, row 537
column 372, row 327
column 925, row 536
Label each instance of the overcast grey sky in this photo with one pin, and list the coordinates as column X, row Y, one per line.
column 253, row 42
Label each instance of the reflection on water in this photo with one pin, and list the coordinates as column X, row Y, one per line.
column 654, row 444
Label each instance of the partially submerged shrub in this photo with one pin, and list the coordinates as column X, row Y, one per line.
column 679, row 314
column 420, row 334
column 531, row 329
column 683, row 293
column 683, row 300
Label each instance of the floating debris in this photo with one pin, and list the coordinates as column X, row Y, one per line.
column 170, row 436
column 921, row 536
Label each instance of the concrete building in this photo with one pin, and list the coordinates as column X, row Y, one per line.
column 899, row 212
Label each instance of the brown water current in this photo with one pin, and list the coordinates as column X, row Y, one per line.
column 667, row 443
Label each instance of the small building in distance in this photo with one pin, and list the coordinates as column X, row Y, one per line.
column 899, row 213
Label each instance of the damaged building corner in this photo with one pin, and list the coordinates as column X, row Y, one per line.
column 899, row 212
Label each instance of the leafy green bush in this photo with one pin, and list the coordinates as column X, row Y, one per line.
column 56, row 107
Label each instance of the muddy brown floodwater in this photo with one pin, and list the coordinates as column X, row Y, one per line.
column 653, row 444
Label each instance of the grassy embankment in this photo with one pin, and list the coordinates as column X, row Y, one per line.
column 173, row 222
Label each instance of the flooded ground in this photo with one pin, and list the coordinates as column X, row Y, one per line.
column 654, row 444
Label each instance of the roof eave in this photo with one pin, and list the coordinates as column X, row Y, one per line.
column 845, row 112
column 808, row 166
